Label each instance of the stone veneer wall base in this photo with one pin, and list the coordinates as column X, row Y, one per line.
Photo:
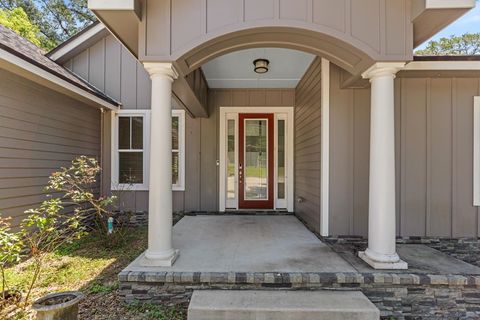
column 398, row 296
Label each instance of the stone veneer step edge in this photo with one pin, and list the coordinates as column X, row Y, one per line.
column 298, row 278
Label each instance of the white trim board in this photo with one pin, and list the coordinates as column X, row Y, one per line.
column 78, row 42
column 34, row 73
column 145, row 113
column 442, row 66
column 232, row 113
column 476, row 151
column 325, row 163
column 114, row 184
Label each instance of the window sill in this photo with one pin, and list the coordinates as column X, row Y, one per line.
column 129, row 187
column 139, row 188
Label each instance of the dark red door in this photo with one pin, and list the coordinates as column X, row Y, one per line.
column 255, row 170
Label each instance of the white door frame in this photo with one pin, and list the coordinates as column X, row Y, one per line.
column 279, row 113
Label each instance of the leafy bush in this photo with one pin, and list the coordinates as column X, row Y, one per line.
column 60, row 220
column 10, row 250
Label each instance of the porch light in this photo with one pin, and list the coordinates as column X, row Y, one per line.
column 261, row 65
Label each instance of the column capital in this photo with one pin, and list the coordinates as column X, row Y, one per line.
column 380, row 69
column 155, row 69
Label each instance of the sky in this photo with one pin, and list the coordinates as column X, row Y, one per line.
column 469, row 23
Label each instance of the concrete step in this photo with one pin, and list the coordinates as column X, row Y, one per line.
column 280, row 305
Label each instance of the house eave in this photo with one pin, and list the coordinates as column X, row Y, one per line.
column 35, row 73
column 77, row 43
column 122, row 18
column 431, row 16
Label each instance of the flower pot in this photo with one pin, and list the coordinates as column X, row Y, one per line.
column 58, row 306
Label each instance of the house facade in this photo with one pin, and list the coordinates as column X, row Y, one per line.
column 346, row 129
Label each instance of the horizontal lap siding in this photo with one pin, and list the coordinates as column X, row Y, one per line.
column 308, row 145
column 40, row 131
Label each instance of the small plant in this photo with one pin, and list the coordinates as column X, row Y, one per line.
column 10, row 250
column 78, row 184
column 61, row 220
column 45, row 230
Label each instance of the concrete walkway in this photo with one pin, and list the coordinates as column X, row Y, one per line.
column 248, row 244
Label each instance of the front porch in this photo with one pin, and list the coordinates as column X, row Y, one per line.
column 277, row 252
column 278, row 246
column 241, row 243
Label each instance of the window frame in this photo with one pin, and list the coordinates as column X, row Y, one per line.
column 180, row 186
column 115, row 185
column 115, row 159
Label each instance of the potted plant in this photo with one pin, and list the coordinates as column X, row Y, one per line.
column 63, row 305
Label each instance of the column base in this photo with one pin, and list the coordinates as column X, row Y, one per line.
column 386, row 265
column 159, row 260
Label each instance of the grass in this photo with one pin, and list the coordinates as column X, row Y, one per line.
column 90, row 266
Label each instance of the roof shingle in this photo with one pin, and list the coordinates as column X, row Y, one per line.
column 24, row 49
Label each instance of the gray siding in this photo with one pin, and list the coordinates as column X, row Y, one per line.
column 120, row 75
column 434, row 156
column 209, row 138
column 308, row 145
column 170, row 29
column 40, row 131
column 349, row 157
column 123, row 78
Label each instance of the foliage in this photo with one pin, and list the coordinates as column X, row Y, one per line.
column 57, row 20
column 51, row 226
column 10, row 250
column 466, row 44
column 17, row 20
column 77, row 183
column 84, row 265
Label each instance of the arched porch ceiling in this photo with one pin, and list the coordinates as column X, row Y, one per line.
column 337, row 51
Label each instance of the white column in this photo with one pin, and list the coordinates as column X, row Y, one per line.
column 160, row 251
column 381, row 252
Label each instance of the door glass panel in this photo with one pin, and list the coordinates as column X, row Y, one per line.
column 231, row 159
column 281, row 160
column 256, row 167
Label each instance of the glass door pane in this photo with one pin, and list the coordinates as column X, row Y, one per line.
column 256, row 156
column 231, row 157
column 281, row 160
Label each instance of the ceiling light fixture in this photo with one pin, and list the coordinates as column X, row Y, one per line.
column 261, row 65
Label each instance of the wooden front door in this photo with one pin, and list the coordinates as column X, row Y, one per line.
column 256, row 155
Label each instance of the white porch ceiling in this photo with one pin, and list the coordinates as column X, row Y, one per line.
column 235, row 70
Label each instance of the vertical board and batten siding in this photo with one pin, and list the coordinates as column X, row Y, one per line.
column 349, row 157
column 434, row 157
column 112, row 69
column 308, row 146
column 172, row 28
column 124, row 78
column 40, row 131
